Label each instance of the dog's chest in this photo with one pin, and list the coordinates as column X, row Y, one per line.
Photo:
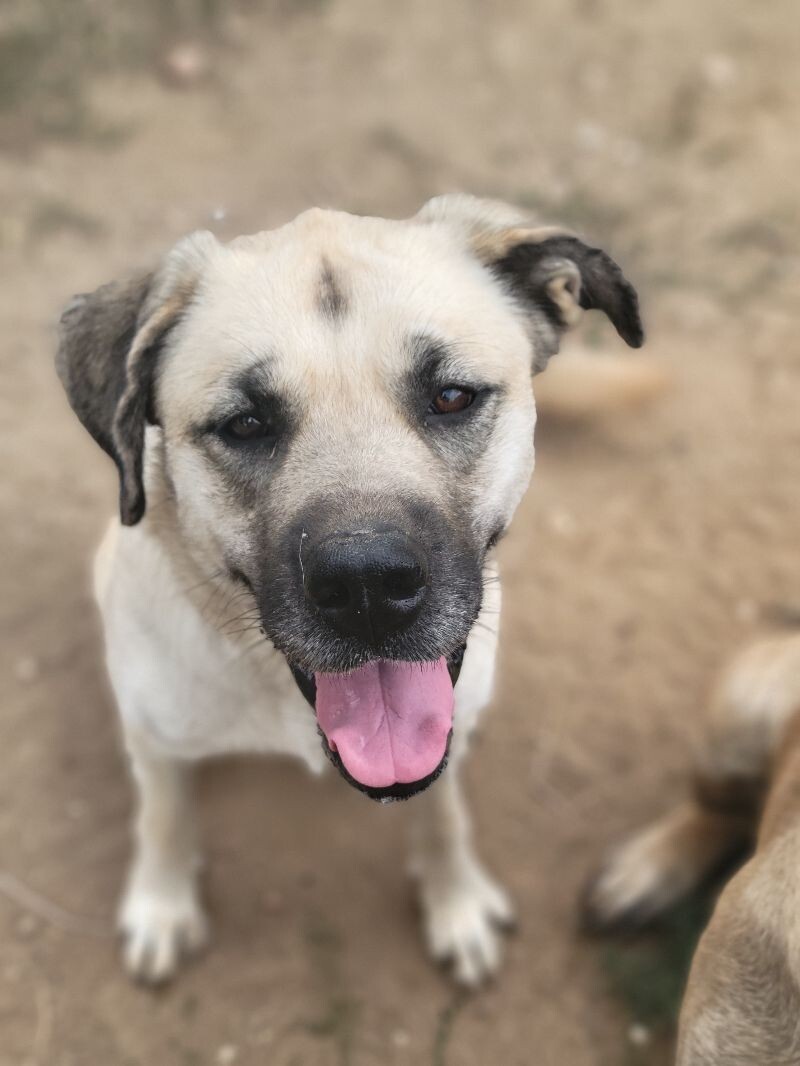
column 190, row 689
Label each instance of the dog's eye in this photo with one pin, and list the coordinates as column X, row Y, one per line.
column 451, row 400
column 245, row 427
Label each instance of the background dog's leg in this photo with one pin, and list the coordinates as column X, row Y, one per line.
column 662, row 864
column 161, row 917
column 462, row 906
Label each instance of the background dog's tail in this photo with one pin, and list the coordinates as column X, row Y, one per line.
column 755, row 713
column 581, row 383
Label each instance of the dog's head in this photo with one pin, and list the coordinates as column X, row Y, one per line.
column 346, row 424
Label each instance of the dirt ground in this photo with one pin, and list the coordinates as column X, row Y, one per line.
column 650, row 544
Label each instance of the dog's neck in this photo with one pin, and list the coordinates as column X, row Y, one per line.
column 210, row 588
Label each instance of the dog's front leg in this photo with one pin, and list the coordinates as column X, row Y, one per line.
column 161, row 918
column 463, row 909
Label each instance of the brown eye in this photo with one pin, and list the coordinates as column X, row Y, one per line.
column 451, row 400
column 245, row 427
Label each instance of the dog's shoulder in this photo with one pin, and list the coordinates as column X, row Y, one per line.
column 743, row 997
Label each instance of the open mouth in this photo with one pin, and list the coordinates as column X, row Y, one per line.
column 386, row 726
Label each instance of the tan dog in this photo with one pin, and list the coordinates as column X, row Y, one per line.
column 742, row 1005
column 321, row 433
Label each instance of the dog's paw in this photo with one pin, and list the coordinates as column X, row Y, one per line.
column 639, row 880
column 463, row 920
column 159, row 928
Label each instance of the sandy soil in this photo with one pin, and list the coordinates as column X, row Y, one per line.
column 650, row 544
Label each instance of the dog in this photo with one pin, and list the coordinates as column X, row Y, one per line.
column 742, row 1002
column 321, row 433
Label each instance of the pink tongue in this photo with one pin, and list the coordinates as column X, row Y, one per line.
column 388, row 721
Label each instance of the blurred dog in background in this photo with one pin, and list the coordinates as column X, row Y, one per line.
column 743, row 998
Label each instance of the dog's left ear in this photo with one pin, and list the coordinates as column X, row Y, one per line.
column 109, row 342
column 548, row 270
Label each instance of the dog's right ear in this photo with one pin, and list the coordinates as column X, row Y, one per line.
column 550, row 272
column 109, row 344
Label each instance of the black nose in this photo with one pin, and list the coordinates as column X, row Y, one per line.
column 366, row 584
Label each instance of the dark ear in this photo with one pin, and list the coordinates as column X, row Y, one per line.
column 550, row 272
column 562, row 275
column 107, row 355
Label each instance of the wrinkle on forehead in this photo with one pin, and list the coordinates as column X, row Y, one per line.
column 330, row 298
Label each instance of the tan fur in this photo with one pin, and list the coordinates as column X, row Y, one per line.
column 743, row 997
column 584, row 384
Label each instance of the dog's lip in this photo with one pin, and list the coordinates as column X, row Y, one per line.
column 308, row 686
column 306, row 683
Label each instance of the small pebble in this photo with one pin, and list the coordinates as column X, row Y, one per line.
column 719, row 70
column 227, row 1054
column 562, row 522
column 184, row 65
column 27, row 669
column 400, row 1038
column 639, row 1035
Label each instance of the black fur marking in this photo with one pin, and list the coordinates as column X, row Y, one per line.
column 603, row 285
column 247, row 467
column 238, row 575
column 112, row 399
column 306, row 683
column 130, row 420
column 435, row 365
column 95, row 332
column 496, row 537
column 455, row 439
column 330, row 300
column 736, row 795
column 249, row 391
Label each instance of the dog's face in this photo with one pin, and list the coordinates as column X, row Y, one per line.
column 346, row 420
